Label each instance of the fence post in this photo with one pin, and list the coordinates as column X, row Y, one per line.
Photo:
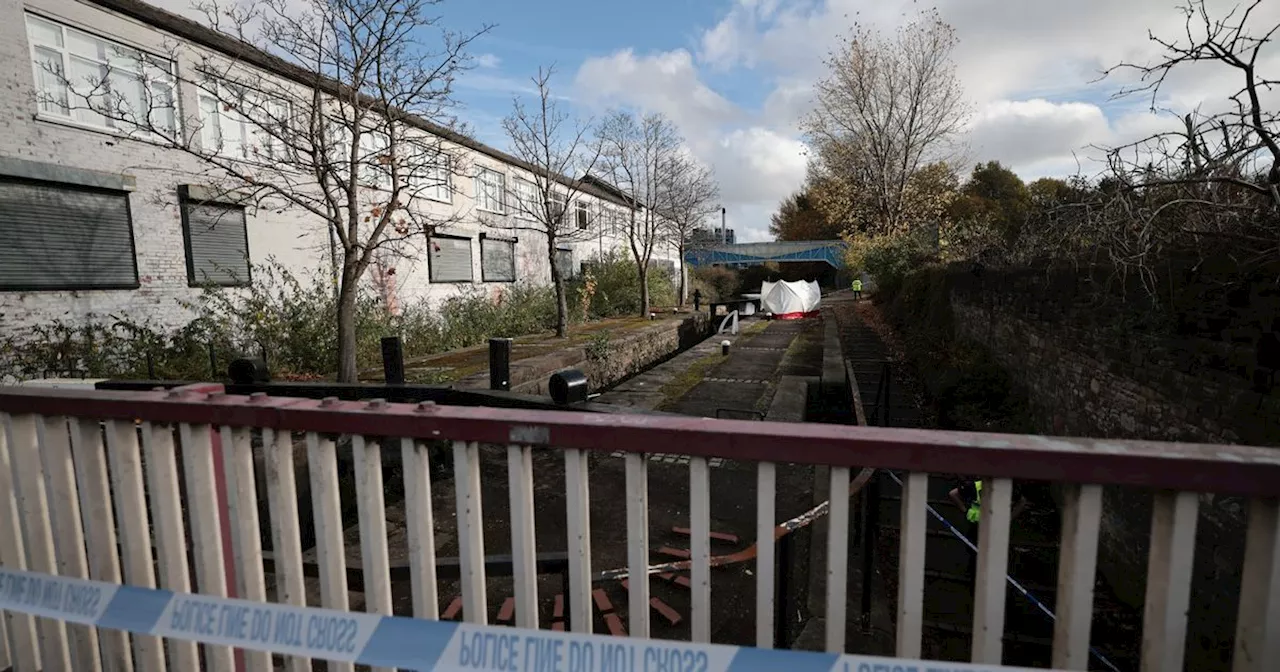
column 392, row 360
column 500, row 364
column 782, row 593
column 870, row 524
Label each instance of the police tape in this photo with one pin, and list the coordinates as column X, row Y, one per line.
column 408, row 643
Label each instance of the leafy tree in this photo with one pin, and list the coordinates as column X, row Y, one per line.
column 993, row 197
column 888, row 107
column 799, row 218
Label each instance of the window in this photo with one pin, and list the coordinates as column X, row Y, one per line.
column 375, row 160
column 583, row 219
column 450, row 259
column 225, row 127
column 217, row 243
column 558, row 204
column 564, row 259
column 80, row 76
column 490, row 187
column 438, row 178
column 56, row 236
column 497, row 259
column 527, row 206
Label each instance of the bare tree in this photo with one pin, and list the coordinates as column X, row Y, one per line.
column 886, row 107
column 641, row 157
column 1210, row 184
column 547, row 202
column 334, row 109
column 690, row 199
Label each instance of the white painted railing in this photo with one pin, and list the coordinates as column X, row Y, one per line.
column 87, row 492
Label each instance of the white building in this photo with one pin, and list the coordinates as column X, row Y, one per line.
column 94, row 224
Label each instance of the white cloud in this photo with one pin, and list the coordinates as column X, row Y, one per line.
column 488, row 60
column 1030, row 68
column 1026, row 133
column 666, row 82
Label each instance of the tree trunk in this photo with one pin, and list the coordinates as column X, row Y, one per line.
column 644, row 290
column 680, row 296
column 347, row 327
column 562, row 302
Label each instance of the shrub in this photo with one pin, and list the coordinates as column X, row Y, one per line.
column 610, row 287
column 716, row 282
column 890, row 258
column 292, row 322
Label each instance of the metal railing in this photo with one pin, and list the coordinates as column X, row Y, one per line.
column 89, row 484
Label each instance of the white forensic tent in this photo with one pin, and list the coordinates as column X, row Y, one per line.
column 790, row 300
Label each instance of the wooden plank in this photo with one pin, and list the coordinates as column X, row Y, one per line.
column 246, row 542
column 129, row 493
column 24, row 652
column 579, row 533
column 523, row 538
column 453, row 609
column 371, row 507
column 766, row 515
column 466, row 466
column 322, row 464
column 911, row 554
column 993, row 565
column 170, row 529
column 93, row 486
column 54, row 437
column 1077, row 562
column 1257, row 646
column 700, row 549
column 837, row 559
column 682, row 553
column 637, row 484
column 615, row 625
column 206, row 526
column 507, row 611
column 286, row 529
column 420, row 528
column 715, row 536
column 1169, row 567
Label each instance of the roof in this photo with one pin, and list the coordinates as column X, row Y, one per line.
column 242, row 51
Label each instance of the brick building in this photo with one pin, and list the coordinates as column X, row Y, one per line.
column 96, row 222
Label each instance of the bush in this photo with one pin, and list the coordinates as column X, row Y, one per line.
column 890, row 258
column 292, row 322
column 610, row 287
column 716, row 282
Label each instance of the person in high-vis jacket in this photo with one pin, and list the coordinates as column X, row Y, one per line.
column 857, row 289
column 968, row 496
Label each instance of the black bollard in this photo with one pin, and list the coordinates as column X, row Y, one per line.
column 392, row 360
column 500, row 364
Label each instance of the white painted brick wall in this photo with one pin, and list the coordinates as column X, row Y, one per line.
column 299, row 242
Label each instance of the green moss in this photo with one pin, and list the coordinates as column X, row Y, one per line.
column 675, row 389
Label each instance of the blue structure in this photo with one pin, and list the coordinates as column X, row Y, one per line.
column 752, row 254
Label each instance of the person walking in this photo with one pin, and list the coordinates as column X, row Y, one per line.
column 857, row 289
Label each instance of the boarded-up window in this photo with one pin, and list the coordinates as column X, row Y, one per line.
column 56, row 236
column 217, row 244
column 498, row 260
column 451, row 260
column 564, row 259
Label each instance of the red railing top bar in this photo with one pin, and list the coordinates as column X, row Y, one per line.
column 1236, row 470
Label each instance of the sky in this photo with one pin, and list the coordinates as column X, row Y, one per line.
column 736, row 75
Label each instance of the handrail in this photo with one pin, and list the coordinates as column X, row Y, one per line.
column 1237, row 470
